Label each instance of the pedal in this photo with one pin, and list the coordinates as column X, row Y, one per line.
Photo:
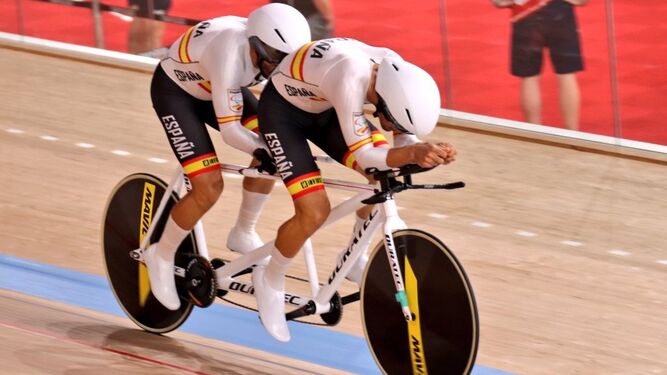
column 137, row 254
column 218, row 263
column 199, row 284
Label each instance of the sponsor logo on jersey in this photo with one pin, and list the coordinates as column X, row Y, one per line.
column 360, row 124
column 235, row 99
column 320, row 47
column 299, row 91
column 188, row 76
column 283, row 165
column 305, row 184
column 200, row 28
column 181, row 146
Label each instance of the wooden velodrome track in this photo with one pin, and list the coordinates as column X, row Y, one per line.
column 565, row 249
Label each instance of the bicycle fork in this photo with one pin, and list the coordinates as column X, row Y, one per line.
column 394, row 222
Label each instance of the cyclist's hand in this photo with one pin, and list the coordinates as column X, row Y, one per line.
column 266, row 163
column 429, row 155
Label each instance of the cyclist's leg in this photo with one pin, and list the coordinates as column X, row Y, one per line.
column 243, row 237
column 330, row 139
column 182, row 118
column 283, row 128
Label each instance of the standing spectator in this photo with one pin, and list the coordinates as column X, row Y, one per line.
column 552, row 24
column 146, row 33
column 318, row 13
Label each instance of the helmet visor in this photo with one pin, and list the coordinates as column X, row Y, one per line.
column 382, row 108
column 265, row 52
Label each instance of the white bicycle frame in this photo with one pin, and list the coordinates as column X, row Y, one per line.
column 385, row 212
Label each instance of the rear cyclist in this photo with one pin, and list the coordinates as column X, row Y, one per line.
column 317, row 93
column 204, row 80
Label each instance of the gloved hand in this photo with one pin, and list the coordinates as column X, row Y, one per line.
column 266, row 161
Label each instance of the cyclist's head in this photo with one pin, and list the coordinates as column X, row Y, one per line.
column 275, row 30
column 407, row 96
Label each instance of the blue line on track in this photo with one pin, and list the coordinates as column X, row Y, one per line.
column 313, row 344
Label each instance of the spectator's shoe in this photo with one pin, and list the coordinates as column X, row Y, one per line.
column 161, row 275
column 357, row 270
column 271, row 306
column 242, row 241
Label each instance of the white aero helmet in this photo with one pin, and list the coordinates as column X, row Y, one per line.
column 279, row 26
column 408, row 96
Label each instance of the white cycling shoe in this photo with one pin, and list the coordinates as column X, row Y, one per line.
column 161, row 275
column 271, row 306
column 243, row 242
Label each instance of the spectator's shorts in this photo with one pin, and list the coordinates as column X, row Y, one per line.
column 159, row 6
column 553, row 27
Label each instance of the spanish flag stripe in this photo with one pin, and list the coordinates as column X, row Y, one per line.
column 307, row 191
column 183, row 46
column 348, row 159
column 206, row 86
column 203, row 170
column 358, row 145
column 205, row 164
column 223, row 120
column 296, row 69
column 251, row 124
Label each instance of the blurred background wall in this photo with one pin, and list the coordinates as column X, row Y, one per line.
column 464, row 44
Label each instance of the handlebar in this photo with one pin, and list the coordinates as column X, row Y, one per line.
column 389, row 185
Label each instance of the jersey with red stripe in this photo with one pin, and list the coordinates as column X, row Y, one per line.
column 332, row 73
column 211, row 61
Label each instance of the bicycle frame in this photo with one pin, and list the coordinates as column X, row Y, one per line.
column 385, row 212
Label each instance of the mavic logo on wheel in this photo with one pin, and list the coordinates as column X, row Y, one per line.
column 146, row 209
column 145, row 219
column 417, row 355
column 418, row 365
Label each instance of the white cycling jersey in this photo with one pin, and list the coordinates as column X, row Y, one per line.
column 211, row 61
column 335, row 73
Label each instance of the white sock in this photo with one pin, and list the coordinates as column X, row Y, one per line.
column 251, row 207
column 172, row 236
column 276, row 269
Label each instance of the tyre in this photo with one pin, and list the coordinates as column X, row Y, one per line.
column 127, row 217
column 443, row 337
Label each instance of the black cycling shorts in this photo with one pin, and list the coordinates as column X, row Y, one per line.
column 184, row 119
column 553, row 27
column 287, row 130
column 159, row 6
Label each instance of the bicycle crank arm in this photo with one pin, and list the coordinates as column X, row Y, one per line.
column 138, row 255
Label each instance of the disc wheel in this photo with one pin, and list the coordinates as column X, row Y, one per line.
column 443, row 337
column 129, row 212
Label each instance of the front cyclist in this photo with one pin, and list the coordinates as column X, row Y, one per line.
column 204, row 80
column 317, row 93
